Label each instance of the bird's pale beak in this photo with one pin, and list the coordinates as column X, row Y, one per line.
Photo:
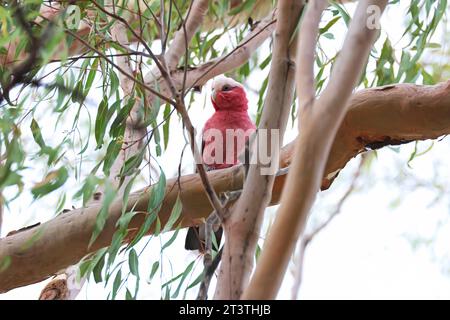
column 213, row 95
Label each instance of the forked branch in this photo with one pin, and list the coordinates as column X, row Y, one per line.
column 318, row 122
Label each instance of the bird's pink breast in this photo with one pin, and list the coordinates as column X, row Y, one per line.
column 224, row 137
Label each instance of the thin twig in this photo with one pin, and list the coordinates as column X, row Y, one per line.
column 137, row 36
column 186, row 46
column 210, row 265
column 207, row 276
column 162, row 29
column 126, row 74
column 181, row 108
column 215, row 62
column 179, row 105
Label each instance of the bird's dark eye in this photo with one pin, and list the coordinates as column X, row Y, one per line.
column 226, row 88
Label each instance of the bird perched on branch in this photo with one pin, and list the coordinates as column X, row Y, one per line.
column 224, row 138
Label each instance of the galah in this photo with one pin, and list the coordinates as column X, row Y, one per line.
column 223, row 139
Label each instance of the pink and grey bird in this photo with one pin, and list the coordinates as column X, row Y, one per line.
column 222, row 138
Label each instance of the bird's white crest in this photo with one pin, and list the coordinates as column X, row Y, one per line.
column 221, row 80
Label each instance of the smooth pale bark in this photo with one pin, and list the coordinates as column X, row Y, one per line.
column 309, row 34
column 319, row 121
column 376, row 117
column 184, row 35
column 243, row 227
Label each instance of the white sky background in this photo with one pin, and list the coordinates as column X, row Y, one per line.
column 391, row 239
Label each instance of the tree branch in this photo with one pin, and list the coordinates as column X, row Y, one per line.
column 161, row 65
column 130, row 14
column 180, row 106
column 66, row 286
column 243, row 226
column 199, row 75
column 376, row 117
column 235, row 58
column 191, row 23
column 318, row 122
column 307, row 42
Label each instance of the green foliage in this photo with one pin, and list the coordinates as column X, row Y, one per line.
column 108, row 198
column 174, row 216
column 81, row 100
column 51, row 153
column 181, row 277
column 104, row 114
column 52, row 181
column 5, row 263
